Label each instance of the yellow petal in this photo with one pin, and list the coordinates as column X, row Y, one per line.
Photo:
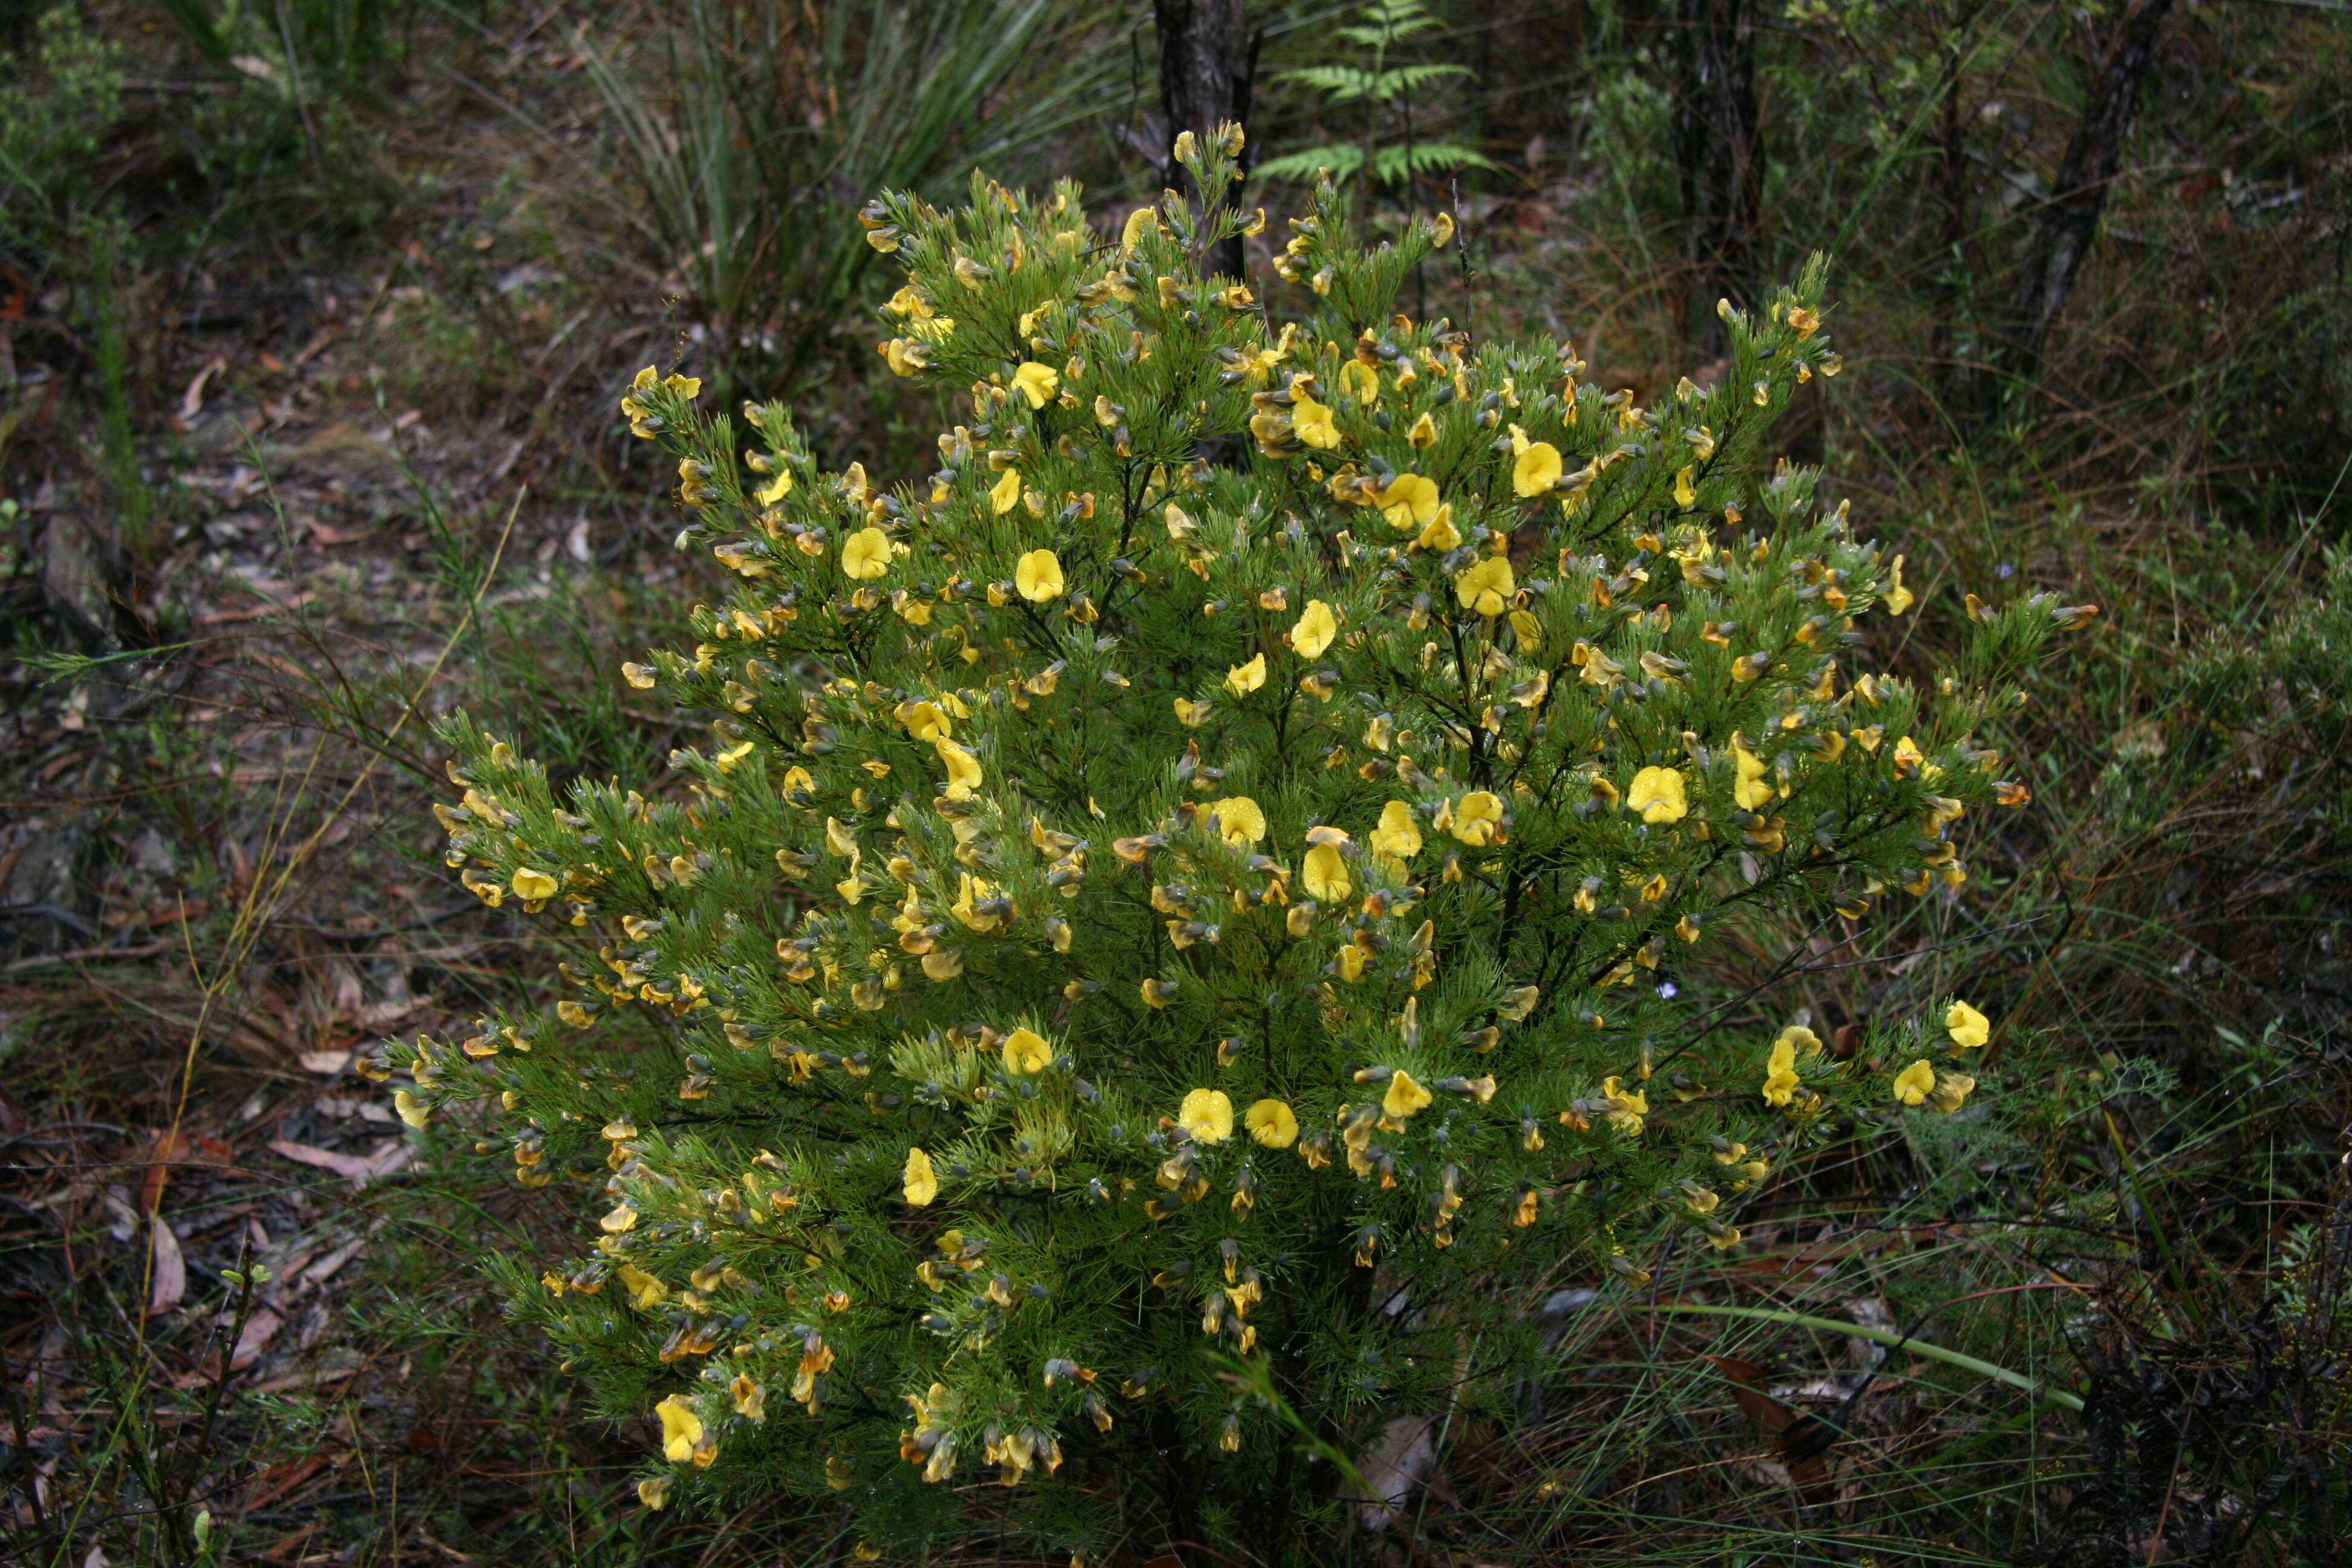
column 921, row 1183
column 963, row 770
column 1404, row 1097
column 1025, row 1052
column 1487, row 586
column 1536, row 469
column 1409, row 502
column 681, row 1429
column 1324, row 874
column 866, row 553
column 1037, row 383
column 1039, row 575
column 1657, row 793
column 1913, row 1083
column 1312, row 422
column 1398, row 834
column 1240, row 820
column 1272, row 1123
column 1207, row 1115
column 1315, row 629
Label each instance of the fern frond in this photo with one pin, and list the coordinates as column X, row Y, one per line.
column 1343, row 162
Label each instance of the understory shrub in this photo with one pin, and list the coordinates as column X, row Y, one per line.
column 1159, row 956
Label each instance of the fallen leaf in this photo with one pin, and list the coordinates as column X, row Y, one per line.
column 389, row 1157
column 1796, row 1437
column 169, row 1285
column 168, row 1149
column 259, row 1329
column 326, row 1063
column 324, row 1269
column 192, row 402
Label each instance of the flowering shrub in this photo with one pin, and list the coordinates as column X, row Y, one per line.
column 1144, row 931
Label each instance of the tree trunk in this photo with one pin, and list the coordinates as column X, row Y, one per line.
column 2069, row 219
column 1719, row 155
column 1207, row 59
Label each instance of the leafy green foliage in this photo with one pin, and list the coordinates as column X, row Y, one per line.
column 1380, row 83
column 70, row 92
column 1136, row 917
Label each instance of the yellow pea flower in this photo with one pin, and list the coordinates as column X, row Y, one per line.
column 924, row 720
column 1683, row 492
column 1898, row 597
column 681, row 1429
column 1005, row 494
column 775, row 490
column 655, row 1492
column 1311, row 422
column 1424, row 432
column 963, row 770
column 1037, row 383
column 1409, row 502
column 1907, row 757
column 1324, row 874
column 1913, row 1083
column 1488, row 586
column 1657, row 793
column 1038, row 575
column 1272, row 1123
column 1240, row 819
column 412, row 1110
column 1398, row 834
column 1441, row 535
column 530, row 883
column 973, row 892
column 1404, row 1097
column 1536, row 469
column 1206, row 1115
column 920, row 1182
column 640, row 676
column 1360, row 383
column 1025, row 1052
column 1951, row 1091
column 1243, row 679
column 1315, row 631
column 646, row 1292
column 1191, row 714
column 1780, row 1070
column 1797, row 1039
column 1477, row 817
column 865, row 554
column 1751, row 787
column 1633, row 1106
column 1970, row 1029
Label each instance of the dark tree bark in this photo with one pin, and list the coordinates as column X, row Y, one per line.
column 1719, row 154
column 2071, row 217
column 1207, row 59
